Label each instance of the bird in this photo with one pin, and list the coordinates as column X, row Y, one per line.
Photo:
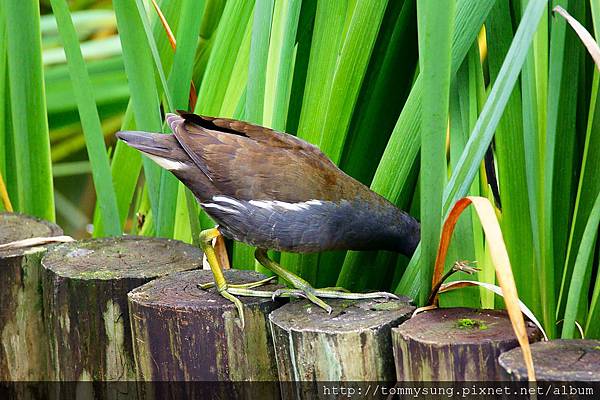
column 274, row 191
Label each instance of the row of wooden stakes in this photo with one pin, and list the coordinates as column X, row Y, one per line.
column 129, row 309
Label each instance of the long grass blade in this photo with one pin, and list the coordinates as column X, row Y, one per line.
column 90, row 120
column 227, row 41
column 499, row 256
column 259, row 50
column 580, row 271
column 28, row 108
column 4, row 96
column 144, row 93
column 179, row 85
column 435, row 33
column 165, row 217
column 481, row 137
column 281, row 61
column 510, row 155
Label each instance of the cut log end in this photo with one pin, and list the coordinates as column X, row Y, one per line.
column 121, row 258
column 182, row 332
column 14, row 226
column 23, row 344
column 557, row 360
column 85, row 286
column 347, row 315
column 350, row 344
column 454, row 344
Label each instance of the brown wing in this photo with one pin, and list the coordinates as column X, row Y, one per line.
column 250, row 162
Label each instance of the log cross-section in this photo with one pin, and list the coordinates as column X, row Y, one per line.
column 23, row 342
column 351, row 344
column 184, row 333
column 454, row 344
column 85, row 286
column 559, row 360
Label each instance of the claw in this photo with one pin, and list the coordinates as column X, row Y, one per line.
column 385, row 295
column 238, row 305
column 286, row 292
column 205, row 286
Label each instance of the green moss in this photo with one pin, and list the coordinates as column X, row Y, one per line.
column 596, row 347
column 388, row 306
column 104, row 275
column 468, row 323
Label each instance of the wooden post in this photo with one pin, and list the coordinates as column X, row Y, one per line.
column 183, row 333
column 353, row 343
column 454, row 344
column 85, row 286
column 23, row 343
column 559, row 360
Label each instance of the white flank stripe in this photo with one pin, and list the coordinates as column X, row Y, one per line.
column 262, row 204
column 229, row 200
column 291, row 206
column 167, row 164
column 269, row 204
column 218, row 207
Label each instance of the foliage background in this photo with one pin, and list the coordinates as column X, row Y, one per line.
column 411, row 116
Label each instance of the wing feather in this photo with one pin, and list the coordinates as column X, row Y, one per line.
column 249, row 162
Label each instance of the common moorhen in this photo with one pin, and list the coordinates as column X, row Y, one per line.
column 274, row 191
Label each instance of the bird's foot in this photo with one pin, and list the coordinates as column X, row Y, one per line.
column 229, row 291
column 314, row 295
column 249, row 285
column 305, row 291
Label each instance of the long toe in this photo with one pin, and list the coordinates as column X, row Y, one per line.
column 339, row 294
column 307, row 293
column 255, row 284
column 205, row 286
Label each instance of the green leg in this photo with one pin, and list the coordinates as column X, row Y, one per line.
column 302, row 288
column 205, row 242
column 240, row 285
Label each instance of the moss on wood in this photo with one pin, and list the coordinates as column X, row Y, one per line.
column 454, row 344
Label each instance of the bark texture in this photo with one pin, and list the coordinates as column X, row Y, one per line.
column 85, row 286
column 558, row 360
column 353, row 343
column 24, row 345
column 454, row 344
column 184, row 333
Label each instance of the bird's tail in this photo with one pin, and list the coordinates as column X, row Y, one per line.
column 163, row 149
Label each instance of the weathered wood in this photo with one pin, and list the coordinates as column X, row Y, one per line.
column 454, row 344
column 353, row 343
column 23, row 343
column 557, row 360
column 182, row 332
column 85, row 286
